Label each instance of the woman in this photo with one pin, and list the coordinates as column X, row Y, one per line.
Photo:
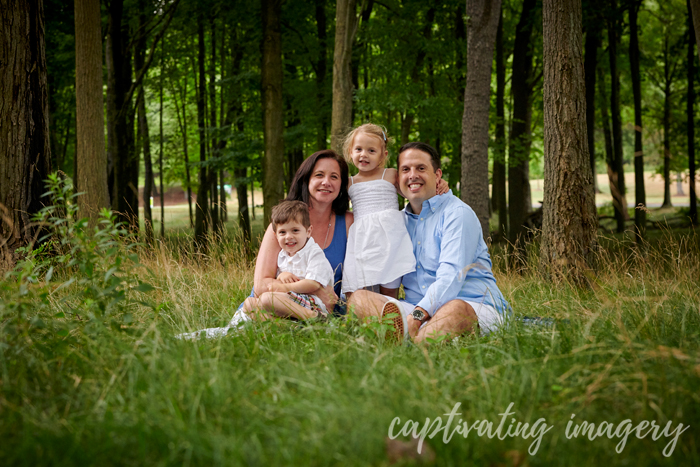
column 321, row 182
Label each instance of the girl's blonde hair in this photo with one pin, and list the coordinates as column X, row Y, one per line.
column 370, row 129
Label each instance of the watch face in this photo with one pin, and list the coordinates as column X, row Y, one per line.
column 418, row 315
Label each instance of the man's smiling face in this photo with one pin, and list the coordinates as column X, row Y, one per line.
column 417, row 177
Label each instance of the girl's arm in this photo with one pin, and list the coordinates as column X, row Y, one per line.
column 306, row 286
column 266, row 262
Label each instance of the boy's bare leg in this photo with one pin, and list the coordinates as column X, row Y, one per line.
column 365, row 304
column 283, row 306
column 454, row 318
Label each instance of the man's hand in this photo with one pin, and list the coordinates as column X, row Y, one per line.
column 414, row 325
column 287, row 278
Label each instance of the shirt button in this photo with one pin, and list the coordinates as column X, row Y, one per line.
column 419, row 243
column 421, row 218
column 418, row 267
column 423, row 286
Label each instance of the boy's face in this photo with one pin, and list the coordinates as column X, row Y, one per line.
column 292, row 236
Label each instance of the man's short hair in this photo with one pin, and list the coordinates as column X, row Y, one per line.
column 426, row 148
column 288, row 211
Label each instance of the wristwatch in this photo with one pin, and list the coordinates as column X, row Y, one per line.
column 419, row 315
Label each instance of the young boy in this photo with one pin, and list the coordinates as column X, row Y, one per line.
column 300, row 256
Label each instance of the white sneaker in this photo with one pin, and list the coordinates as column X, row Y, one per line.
column 400, row 324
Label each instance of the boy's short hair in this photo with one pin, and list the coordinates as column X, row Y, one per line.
column 287, row 211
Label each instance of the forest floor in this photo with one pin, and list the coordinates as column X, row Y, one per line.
column 91, row 372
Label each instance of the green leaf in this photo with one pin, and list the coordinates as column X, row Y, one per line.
column 556, row 387
column 60, row 314
column 144, row 287
column 62, row 332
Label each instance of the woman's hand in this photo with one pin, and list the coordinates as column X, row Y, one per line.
column 287, row 278
column 327, row 296
column 442, row 187
column 276, row 286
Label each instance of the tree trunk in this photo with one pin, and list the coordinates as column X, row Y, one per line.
column 213, row 144
column 182, row 123
column 143, row 137
column 694, row 7
column 520, row 202
column 690, row 112
column 667, row 130
column 120, row 119
column 91, row 159
column 593, row 40
column 607, row 136
column 640, row 214
column 273, row 107
column 498, row 178
column 345, row 28
column 481, row 34
column 569, row 217
column 201, row 223
column 160, row 152
column 621, row 214
column 321, row 71
column 25, row 149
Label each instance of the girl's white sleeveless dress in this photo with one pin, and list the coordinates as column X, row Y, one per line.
column 379, row 248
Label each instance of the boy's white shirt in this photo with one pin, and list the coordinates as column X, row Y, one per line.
column 308, row 263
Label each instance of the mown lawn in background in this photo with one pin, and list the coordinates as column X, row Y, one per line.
column 124, row 391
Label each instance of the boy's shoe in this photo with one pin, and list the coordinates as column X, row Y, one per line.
column 400, row 332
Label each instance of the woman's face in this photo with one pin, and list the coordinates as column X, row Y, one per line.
column 324, row 184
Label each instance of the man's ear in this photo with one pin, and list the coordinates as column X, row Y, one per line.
column 438, row 174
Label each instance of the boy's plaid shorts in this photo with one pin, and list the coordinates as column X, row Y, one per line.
column 309, row 301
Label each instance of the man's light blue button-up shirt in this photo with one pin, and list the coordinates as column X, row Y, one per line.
column 452, row 260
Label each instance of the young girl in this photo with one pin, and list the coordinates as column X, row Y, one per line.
column 379, row 250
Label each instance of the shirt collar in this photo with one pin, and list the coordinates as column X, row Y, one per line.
column 430, row 204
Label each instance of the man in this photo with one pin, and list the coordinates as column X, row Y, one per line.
column 452, row 290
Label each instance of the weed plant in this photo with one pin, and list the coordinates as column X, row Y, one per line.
column 91, row 373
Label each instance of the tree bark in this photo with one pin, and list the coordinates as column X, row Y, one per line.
column 593, row 40
column 607, row 135
column 321, row 71
column 345, row 28
column 25, row 148
column 620, row 200
column 143, row 136
column 91, row 159
column 694, row 6
column 569, row 216
column 273, row 107
column 520, row 201
column 481, row 34
column 640, row 214
column 120, row 119
column 667, row 126
column 213, row 144
column 498, row 178
column 201, row 223
column 690, row 112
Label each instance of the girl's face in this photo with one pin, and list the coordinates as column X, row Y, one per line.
column 324, row 183
column 368, row 153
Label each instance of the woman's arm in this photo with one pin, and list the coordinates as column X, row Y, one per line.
column 266, row 262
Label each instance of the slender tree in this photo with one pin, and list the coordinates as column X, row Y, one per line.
column 91, row 159
column 569, row 216
column 618, row 169
column 481, row 35
column 201, row 222
column 273, row 107
column 498, row 183
column 694, row 6
column 25, row 150
column 690, row 112
column 640, row 214
column 590, row 64
column 520, row 202
column 346, row 22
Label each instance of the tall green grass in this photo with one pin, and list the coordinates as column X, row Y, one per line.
column 84, row 387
